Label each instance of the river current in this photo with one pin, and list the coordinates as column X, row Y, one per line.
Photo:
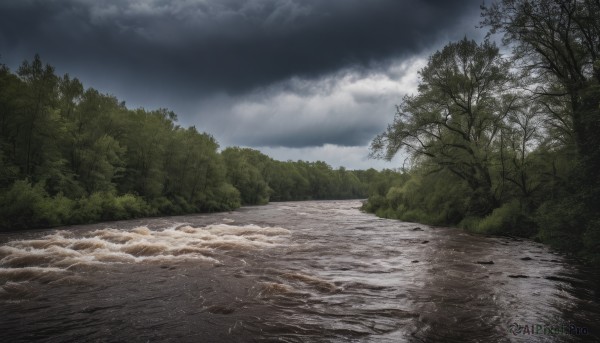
column 318, row 271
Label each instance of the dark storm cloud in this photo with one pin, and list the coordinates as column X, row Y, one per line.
column 319, row 74
column 346, row 108
column 190, row 47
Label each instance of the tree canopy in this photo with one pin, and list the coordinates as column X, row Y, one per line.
column 514, row 138
column 74, row 155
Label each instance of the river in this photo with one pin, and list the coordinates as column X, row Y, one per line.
column 317, row 271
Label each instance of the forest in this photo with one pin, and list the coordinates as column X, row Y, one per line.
column 71, row 155
column 500, row 142
column 506, row 144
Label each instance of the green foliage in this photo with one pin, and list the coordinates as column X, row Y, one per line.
column 562, row 223
column 423, row 197
column 261, row 179
column 70, row 155
column 246, row 172
column 374, row 203
column 507, row 219
column 453, row 120
column 556, row 45
column 227, row 198
column 62, row 210
column 73, row 155
column 496, row 161
column 105, row 206
column 131, row 206
column 25, row 205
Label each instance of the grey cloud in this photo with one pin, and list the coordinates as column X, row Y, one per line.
column 346, row 108
column 231, row 45
column 207, row 59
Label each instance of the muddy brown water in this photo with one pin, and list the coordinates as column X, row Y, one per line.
column 318, row 271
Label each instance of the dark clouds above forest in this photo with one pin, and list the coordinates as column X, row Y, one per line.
column 210, row 59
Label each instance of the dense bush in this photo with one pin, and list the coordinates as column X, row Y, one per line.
column 507, row 219
column 422, row 197
column 25, row 205
column 552, row 217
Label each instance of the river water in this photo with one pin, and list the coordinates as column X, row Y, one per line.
column 317, row 271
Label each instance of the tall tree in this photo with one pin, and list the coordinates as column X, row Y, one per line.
column 455, row 117
column 11, row 89
column 36, row 121
column 245, row 171
column 558, row 43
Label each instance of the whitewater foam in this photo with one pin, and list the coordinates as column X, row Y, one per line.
column 63, row 251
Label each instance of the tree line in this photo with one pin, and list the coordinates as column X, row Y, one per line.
column 73, row 155
column 506, row 144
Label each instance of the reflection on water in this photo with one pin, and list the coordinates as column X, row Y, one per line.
column 300, row 271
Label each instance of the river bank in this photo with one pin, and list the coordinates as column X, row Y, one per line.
column 299, row 271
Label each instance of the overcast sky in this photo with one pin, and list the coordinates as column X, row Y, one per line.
column 296, row 79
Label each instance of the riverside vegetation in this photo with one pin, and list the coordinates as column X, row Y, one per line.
column 71, row 155
column 506, row 145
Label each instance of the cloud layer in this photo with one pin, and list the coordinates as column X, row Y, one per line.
column 345, row 108
column 225, row 45
column 259, row 73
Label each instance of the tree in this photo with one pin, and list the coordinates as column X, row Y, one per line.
column 245, row 171
column 456, row 116
column 74, row 155
column 145, row 137
column 37, row 120
column 11, row 88
column 558, row 43
column 519, row 136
